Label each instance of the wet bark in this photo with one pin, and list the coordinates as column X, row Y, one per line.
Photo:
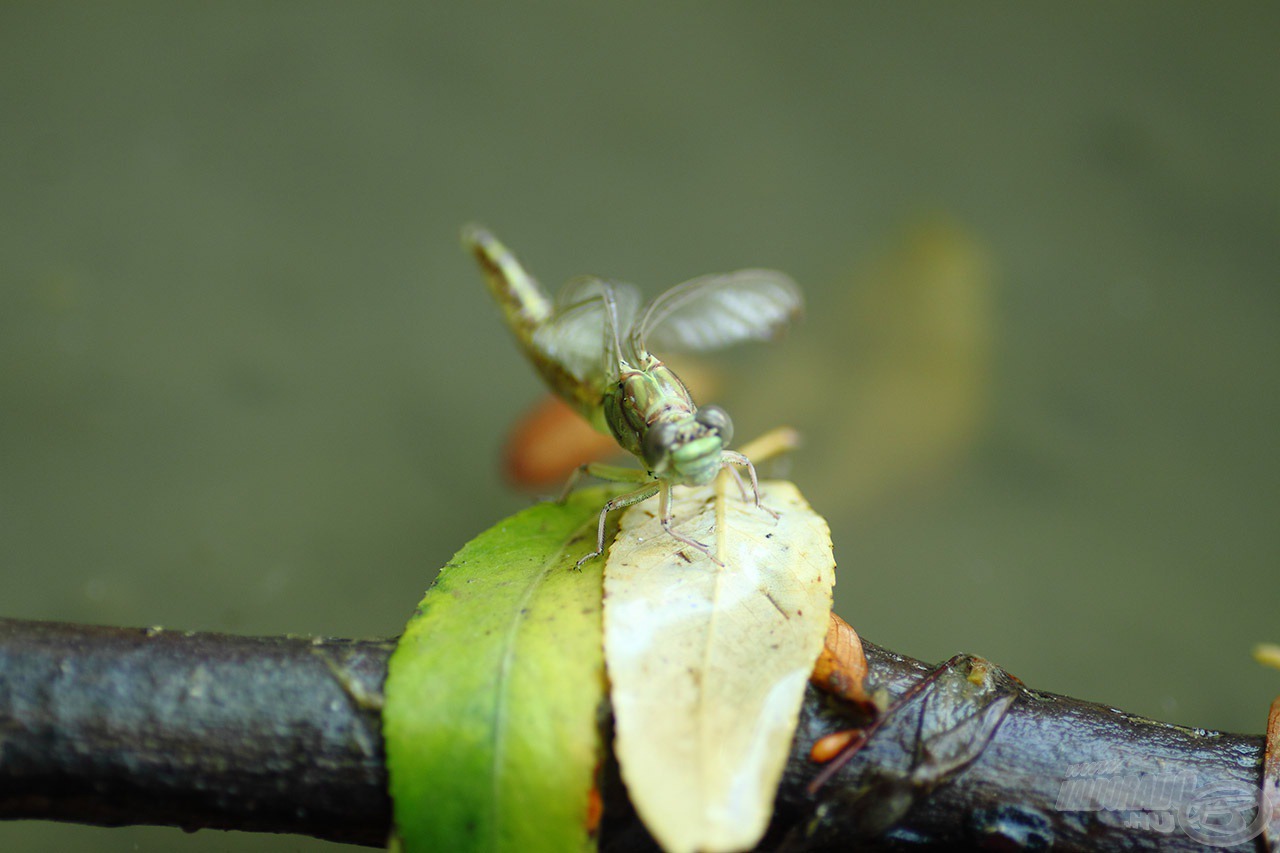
column 114, row 726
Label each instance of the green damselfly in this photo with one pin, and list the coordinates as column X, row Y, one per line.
column 591, row 345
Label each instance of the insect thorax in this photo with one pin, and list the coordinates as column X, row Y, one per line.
column 652, row 415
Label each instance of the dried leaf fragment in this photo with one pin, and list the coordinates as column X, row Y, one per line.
column 1271, row 775
column 829, row 746
column 841, row 669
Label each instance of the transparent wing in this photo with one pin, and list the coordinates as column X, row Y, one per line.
column 714, row 311
column 583, row 333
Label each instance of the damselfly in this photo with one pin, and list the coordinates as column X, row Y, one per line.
column 591, row 345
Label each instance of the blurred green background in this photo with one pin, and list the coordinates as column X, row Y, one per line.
column 249, row 382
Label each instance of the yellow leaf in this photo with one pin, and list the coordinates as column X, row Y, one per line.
column 708, row 664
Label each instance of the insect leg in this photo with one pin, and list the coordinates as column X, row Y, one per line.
column 737, row 478
column 609, row 473
column 733, row 458
column 664, row 516
column 643, row 493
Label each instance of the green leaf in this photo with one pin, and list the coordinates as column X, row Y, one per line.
column 492, row 693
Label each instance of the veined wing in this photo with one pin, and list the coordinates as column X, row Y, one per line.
column 584, row 331
column 714, row 311
column 566, row 341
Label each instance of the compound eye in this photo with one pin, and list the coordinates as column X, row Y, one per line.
column 717, row 420
column 657, row 444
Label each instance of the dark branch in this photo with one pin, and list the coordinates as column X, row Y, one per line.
column 112, row 726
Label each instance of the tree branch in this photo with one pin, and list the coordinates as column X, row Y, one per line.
column 115, row 726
